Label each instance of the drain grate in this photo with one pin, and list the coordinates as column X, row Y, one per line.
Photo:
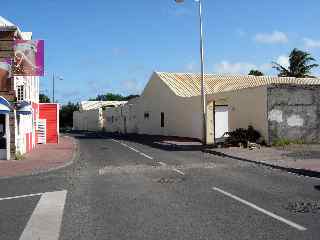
column 303, row 207
column 170, row 180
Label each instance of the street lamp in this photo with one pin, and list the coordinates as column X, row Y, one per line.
column 203, row 88
column 53, row 85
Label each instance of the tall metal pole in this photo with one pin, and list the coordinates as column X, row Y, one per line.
column 53, row 88
column 203, row 87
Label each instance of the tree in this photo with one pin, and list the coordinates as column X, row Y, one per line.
column 66, row 114
column 300, row 65
column 113, row 97
column 108, row 97
column 255, row 73
column 44, row 98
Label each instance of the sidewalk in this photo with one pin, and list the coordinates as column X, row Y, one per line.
column 301, row 159
column 42, row 159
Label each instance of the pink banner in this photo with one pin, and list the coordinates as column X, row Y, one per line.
column 28, row 58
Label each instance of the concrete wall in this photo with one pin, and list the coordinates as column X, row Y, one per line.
column 91, row 120
column 294, row 113
column 246, row 107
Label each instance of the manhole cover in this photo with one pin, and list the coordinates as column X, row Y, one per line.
column 164, row 180
column 303, row 207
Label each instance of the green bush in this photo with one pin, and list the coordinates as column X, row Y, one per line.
column 281, row 142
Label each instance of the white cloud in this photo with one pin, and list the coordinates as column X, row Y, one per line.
column 131, row 86
column 283, row 61
column 191, row 66
column 240, row 32
column 311, row 43
column 226, row 67
column 271, row 38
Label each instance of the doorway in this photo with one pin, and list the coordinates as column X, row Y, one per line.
column 221, row 120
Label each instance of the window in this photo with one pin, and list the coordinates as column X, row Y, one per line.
column 146, row 115
column 20, row 93
column 162, row 119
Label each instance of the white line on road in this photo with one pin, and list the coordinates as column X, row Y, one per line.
column 45, row 221
column 162, row 164
column 133, row 149
column 145, row 155
column 178, row 171
column 270, row 214
column 22, row 196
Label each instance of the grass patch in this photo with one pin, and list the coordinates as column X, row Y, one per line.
column 285, row 142
column 18, row 156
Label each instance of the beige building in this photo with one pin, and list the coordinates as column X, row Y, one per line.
column 170, row 105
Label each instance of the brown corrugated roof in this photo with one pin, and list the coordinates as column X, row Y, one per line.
column 189, row 84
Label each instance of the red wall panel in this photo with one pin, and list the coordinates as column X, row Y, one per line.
column 50, row 112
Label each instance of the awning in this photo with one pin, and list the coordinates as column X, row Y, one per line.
column 24, row 108
column 5, row 106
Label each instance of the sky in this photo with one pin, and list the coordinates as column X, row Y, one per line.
column 101, row 46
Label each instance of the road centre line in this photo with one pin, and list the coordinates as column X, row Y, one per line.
column 162, row 164
column 178, row 171
column 133, row 149
column 22, row 196
column 270, row 214
column 145, row 155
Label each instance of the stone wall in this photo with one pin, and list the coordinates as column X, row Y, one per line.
column 294, row 113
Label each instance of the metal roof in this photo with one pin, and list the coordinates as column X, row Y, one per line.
column 6, row 24
column 91, row 105
column 189, row 84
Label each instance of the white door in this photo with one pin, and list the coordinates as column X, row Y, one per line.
column 221, row 121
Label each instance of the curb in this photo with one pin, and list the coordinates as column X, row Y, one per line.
column 75, row 154
column 298, row 171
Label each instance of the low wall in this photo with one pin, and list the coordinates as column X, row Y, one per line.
column 294, row 113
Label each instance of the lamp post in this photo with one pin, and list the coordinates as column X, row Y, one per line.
column 203, row 87
column 53, row 86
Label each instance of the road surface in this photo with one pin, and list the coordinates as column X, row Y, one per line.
column 127, row 189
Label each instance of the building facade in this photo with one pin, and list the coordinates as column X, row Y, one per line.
column 19, row 121
column 170, row 105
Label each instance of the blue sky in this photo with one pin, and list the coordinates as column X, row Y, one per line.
column 103, row 46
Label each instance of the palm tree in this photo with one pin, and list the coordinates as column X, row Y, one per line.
column 299, row 65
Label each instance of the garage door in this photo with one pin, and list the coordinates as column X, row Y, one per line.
column 221, row 121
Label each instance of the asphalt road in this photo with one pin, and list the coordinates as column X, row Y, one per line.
column 136, row 189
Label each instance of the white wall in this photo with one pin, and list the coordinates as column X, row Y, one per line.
column 91, row 120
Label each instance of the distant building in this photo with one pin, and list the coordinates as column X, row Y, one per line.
column 90, row 116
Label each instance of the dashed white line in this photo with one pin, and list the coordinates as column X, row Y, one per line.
column 145, row 155
column 133, row 149
column 162, row 164
column 22, row 196
column 45, row 221
column 178, row 171
column 270, row 214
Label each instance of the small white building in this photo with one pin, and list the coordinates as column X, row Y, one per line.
column 90, row 115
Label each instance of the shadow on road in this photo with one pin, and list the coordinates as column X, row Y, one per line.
column 159, row 142
column 317, row 187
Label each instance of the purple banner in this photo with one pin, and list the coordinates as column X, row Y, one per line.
column 28, row 58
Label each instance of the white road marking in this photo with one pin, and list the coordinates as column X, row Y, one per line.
column 178, row 171
column 22, row 196
column 45, row 221
column 270, row 214
column 145, row 155
column 133, row 149
column 162, row 164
